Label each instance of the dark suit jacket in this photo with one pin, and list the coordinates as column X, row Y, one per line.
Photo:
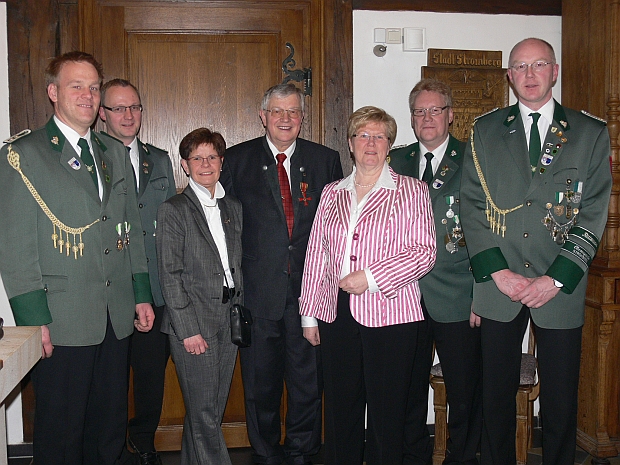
column 250, row 174
column 44, row 286
column 190, row 269
column 447, row 289
column 156, row 186
column 579, row 147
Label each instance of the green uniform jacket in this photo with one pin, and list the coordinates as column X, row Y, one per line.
column 447, row 289
column 156, row 186
column 73, row 297
column 575, row 153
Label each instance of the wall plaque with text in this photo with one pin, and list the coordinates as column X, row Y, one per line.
column 478, row 81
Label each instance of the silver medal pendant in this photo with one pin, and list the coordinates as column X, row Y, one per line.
column 451, row 247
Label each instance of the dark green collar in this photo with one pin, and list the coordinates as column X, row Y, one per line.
column 559, row 115
column 57, row 138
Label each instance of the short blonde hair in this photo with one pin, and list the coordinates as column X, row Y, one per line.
column 369, row 114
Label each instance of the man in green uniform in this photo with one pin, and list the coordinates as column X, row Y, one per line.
column 534, row 197
column 121, row 110
column 437, row 159
column 73, row 262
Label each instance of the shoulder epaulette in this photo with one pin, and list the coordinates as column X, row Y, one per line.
column 487, row 113
column 148, row 146
column 111, row 137
column 399, row 147
column 594, row 117
column 19, row 135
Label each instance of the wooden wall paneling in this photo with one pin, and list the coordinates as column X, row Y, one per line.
column 590, row 81
column 32, row 41
column 69, row 35
column 611, row 72
column 337, row 102
column 523, row 7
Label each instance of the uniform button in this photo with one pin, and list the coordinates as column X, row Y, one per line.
column 353, row 258
column 290, row 247
column 526, row 264
column 148, row 259
column 526, row 235
column 356, row 236
column 144, row 233
column 140, row 205
column 107, row 283
column 106, row 251
column 528, row 203
column 104, row 218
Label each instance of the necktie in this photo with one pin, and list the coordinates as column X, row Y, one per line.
column 534, row 142
column 285, row 191
column 427, row 177
column 88, row 160
column 133, row 168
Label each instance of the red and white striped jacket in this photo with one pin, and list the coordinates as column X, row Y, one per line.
column 394, row 238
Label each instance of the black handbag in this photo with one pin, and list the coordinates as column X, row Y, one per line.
column 240, row 325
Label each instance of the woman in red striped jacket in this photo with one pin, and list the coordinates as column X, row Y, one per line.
column 372, row 239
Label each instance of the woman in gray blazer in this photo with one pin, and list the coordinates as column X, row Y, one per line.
column 199, row 261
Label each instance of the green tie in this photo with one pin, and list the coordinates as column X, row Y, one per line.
column 88, row 160
column 534, row 142
column 427, row 176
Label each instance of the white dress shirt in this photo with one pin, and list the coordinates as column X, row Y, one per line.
column 438, row 154
column 214, row 221
column 546, row 117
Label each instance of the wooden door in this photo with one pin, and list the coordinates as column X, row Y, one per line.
column 202, row 64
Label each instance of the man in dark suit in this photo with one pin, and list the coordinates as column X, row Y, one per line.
column 121, row 110
column 76, row 266
column 533, row 220
column 437, row 158
column 257, row 172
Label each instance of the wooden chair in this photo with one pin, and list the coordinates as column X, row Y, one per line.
column 526, row 395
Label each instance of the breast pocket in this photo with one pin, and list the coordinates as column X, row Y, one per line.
column 159, row 184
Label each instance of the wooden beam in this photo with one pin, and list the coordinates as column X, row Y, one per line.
column 523, row 7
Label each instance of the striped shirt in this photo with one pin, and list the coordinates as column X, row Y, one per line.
column 394, row 238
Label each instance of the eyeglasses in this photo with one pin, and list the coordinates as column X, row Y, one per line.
column 293, row 113
column 121, row 109
column 537, row 66
column 199, row 160
column 434, row 111
column 378, row 138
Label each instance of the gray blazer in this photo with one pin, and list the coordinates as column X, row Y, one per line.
column 190, row 269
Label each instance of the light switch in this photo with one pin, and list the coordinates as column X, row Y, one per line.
column 414, row 39
column 379, row 35
column 393, row 35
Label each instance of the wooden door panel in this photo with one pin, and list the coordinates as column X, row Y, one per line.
column 202, row 81
column 202, row 64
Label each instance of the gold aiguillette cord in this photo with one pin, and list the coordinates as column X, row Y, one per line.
column 495, row 215
column 59, row 242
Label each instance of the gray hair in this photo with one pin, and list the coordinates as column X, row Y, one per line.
column 283, row 91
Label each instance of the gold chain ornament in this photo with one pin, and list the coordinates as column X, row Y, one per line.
column 495, row 215
column 59, row 242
